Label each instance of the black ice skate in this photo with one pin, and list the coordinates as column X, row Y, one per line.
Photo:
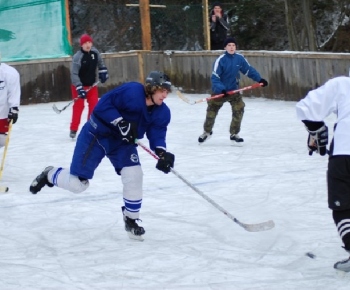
column 72, row 134
column 40, row 181
column 134, row 231
column 343, row 265
column 236, row 140
column 204, row 136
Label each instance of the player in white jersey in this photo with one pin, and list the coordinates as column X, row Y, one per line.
column 332, row 97
column 10, row 96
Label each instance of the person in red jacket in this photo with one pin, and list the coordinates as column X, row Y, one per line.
column 83, row 76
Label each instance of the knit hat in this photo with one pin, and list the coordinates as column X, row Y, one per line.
column 85, row 38
column 229, row 40
column 217, row 4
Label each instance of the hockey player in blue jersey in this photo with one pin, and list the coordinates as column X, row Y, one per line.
column 122, row 115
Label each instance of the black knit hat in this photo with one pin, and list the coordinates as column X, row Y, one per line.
column 217, row 4
column 229, row 40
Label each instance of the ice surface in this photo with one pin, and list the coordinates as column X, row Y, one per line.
column 60, row 240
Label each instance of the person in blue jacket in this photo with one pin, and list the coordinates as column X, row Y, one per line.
column 225, row 77
column 123, row 115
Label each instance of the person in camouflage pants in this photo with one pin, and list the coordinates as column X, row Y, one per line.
column 225, row 77
column 237, row 106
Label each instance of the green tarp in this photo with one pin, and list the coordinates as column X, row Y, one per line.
column 33, row 29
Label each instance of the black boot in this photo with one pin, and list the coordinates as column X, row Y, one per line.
column 132, row 228
column 40, row 181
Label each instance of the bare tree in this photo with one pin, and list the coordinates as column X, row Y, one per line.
column 309, row 27
column 292, row 39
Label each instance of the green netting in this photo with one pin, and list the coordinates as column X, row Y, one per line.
column 33, row 29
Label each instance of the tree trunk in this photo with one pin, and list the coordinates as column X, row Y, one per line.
column 309, row 28
column 293, row 43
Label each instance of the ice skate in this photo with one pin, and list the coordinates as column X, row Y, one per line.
column 204, row 136
column 72, row 134
column 236, row 140
column 343, row 265
column 134, row 231
column 40, row 181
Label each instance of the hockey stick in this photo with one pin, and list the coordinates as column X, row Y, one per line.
column 4, row 189
column 58, row 111
column 264, row 226
column 182, row 97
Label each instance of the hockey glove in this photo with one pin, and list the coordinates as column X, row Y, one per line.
column 103, row 74
column 81, row 92
column 318, row 137
column 224, row 92
column 166, row 160
column 13, row 114
column 263, row 82
column 128, row 131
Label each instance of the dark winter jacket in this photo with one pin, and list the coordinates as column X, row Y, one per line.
column 218, row 29
column 84, row 65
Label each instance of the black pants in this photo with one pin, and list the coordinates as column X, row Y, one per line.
column 217, row 46
column 338, row 180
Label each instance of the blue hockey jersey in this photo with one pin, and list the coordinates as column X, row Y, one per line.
column 129, row 102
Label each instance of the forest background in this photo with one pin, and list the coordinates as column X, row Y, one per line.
column 278, row 25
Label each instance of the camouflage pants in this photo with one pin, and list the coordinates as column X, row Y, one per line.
column 237, row 108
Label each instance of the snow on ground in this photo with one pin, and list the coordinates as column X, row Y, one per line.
column 60, row 240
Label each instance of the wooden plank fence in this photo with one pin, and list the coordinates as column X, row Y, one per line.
column 290, row 74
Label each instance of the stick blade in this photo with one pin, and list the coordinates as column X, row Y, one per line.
column 264, row 226
column 4, row 189
column 54, row 107
column 182, row 97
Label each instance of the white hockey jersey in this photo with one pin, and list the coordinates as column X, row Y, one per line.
column 10, row 89
column 332, row 97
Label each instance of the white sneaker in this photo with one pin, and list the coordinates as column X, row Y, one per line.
column 204, row 136
column 343, row 265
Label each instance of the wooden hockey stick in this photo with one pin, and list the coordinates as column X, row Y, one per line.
column 182, row 97
column 58, row 111
column 264, row 226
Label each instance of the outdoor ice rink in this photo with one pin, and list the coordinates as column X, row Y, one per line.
column 60, row 240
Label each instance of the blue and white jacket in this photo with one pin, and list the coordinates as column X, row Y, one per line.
column 226, row 69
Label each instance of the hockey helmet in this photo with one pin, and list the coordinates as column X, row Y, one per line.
column 157, row 80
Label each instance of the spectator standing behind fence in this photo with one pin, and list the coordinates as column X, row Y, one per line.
column 219, row 27
column 83, row 75
column 224, row 78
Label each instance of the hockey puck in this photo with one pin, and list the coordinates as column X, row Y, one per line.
column 310, row 255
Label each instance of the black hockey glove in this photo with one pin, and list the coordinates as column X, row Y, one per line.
column 13, row 114
column 224, row 92
column 166, row 160
column 81, row 92
column 318, row 137
column 263, row 82
column 103, row 74
column 128, row 131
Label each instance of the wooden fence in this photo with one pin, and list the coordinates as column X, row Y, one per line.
column 290, row 74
